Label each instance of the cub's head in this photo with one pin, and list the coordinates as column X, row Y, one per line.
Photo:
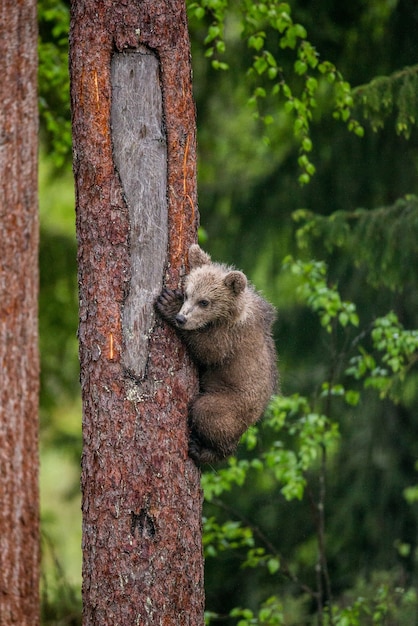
column 213, row 293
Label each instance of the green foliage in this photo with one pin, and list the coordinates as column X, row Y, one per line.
column 391, row 96
column 58, row 302
column 382, row 241
column 326, row 484
column 60, row 402
column 227, row 536
column 270, row 31
column 216, row 483
column 53, row 78
column 399, row 352
column 311, row 434
column 411, row 494
column 292, row 417
column 379, row 602
column 303, row 441
column 270, row 614
column 60, row 600
column 322, row 299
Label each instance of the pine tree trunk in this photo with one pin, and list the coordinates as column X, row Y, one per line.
column 19, row 370
column 134, row 166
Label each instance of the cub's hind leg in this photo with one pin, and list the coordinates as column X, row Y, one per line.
column 216, row 427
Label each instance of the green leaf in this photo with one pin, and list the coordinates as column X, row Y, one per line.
column 307, row 144
column 300, row 67
column 273, row 565
column 260, row 65
column 256, row 41
column 214, row 31
column 272, row 73
column 199, row 13
column 352, row 397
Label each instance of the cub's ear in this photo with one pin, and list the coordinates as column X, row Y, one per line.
column 237, row 281
column 197, row 257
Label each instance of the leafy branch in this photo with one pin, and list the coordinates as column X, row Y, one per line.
column 387, row 238
column 385, row 95
column 304, row 437
column 269, row 30
column 398, row 348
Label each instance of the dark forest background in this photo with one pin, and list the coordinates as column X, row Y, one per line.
column 352, row 231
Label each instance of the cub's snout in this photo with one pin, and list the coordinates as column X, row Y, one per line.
column 180, row 319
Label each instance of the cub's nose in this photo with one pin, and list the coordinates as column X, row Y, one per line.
column 180, row 319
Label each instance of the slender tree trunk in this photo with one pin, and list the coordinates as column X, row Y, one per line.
column 134, row 166
column 19, row 371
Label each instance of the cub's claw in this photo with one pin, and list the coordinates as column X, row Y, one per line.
column 195, row 449
column 202, row 454
column 169, row 303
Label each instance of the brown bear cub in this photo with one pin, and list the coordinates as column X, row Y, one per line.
column 226, row 326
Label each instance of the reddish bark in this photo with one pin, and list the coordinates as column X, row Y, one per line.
column 19, row 371
column 142, row 556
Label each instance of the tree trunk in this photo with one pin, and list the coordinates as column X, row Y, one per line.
column 19, row 370
column 134, row 166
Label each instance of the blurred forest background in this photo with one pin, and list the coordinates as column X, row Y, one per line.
column 320, row 509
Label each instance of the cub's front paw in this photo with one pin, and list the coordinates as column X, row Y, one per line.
column 169, row 303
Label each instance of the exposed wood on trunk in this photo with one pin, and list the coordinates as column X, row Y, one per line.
column 142, row 560
column 140, row 154
column 19, row 370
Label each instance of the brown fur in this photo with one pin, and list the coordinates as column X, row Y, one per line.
column 226, row 326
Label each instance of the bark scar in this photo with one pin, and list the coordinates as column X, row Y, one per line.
column 142, row 524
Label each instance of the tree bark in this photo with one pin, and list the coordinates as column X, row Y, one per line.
column 19, row 370
column 134, row 166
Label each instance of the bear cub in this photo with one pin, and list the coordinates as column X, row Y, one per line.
column 226, row 326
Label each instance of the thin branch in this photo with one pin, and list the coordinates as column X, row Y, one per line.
column 284, row 567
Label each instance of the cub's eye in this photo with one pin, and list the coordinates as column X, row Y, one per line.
column 203, row 303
